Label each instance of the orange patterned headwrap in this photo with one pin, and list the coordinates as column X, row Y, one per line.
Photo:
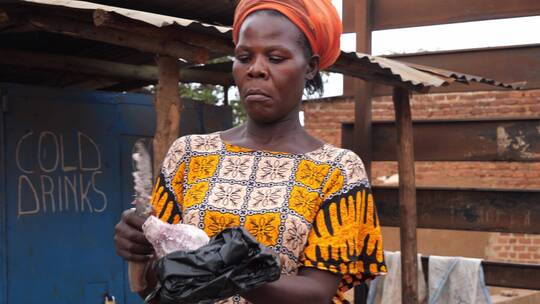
column 317, row 19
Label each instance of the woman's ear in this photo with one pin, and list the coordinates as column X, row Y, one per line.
column 313, row 67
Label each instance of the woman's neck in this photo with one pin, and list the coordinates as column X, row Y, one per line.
column 271, row 134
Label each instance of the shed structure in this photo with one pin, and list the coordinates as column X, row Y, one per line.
column 75, row 44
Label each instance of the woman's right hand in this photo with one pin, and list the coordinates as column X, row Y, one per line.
column 129, row 240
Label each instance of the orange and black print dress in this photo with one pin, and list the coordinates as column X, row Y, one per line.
column 313, row 209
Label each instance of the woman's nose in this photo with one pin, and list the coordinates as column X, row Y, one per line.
column 258, row 69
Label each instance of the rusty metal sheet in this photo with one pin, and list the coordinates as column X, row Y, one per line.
column 389, row 14
column 150, row 18
column 516, row 211
column 209, row 11
column 366, row 66
column 465, row 140
column 502, row 63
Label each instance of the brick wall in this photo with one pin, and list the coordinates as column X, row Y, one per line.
column 323, row 118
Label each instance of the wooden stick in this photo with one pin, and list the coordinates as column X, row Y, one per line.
column 142, row 43
column 105, row 19
column 109, row 69
column 407, row 196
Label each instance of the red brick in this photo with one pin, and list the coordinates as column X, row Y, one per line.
column 502, row 255
column 533, row 248
column 519, row 248
column 525, row 255
column 524, row 240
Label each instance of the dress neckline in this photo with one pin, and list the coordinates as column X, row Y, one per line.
column 226, row 143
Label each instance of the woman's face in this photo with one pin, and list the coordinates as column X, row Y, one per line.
column 270, row 67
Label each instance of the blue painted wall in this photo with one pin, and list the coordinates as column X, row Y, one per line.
column 67, row 179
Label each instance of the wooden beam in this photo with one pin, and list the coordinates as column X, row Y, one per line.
column 389, row 14
column 512, row 275
column 105, row 19
column 459, row 140
column 108, row 69
column 490, row 210
column 116, row 37
column 509, row 275
column 407, row 197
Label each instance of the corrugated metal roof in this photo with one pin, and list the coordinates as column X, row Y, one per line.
column 218, row 12
column 372, row 68
column 465, row 78
column 150, row 18
column 348, row 62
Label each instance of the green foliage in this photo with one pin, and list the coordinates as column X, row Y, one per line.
column 239, row 112
column 206, row 93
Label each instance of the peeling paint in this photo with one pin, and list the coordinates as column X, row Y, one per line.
column 506, row 143
column 503, row 140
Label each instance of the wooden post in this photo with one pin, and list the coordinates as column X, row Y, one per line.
column 407, row 196
column 362, row 104
column 226, row 95
column 362, row 89
column 168, row 105
column 168, row 108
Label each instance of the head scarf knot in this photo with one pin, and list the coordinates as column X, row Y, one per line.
column 317, row 19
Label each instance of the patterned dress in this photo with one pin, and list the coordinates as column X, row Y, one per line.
column 313, row 209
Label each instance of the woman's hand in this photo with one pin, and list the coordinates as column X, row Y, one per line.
column 129, row 240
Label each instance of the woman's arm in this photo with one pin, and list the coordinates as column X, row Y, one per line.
column 310, row 285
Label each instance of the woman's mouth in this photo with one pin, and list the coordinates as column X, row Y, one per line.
column 256, row 98
column 256, row 95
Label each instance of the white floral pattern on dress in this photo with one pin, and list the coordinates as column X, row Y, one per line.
column 236, row 167
column 324, row 153
column 295, row 235
column 354, row 167
column 173, row 157
column 191, row 217
column 273, row 169
column 205, row 143
column 267, row 198
column 225, row 195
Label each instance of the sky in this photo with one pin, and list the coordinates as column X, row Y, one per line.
column 479, row 34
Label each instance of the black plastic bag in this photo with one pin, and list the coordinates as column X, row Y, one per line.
column 232, row 262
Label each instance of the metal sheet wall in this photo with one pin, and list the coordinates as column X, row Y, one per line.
column 68, row 178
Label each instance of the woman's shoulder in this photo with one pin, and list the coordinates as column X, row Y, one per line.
column 342, row 162
column 196, row 143
column 182, row 148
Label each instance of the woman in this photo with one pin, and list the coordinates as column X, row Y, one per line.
column 307, row 200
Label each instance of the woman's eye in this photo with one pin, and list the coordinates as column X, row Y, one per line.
column 242, row 58
column 276, row 59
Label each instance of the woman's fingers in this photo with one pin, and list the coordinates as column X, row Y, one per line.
column 134, row 248
column 127, row 232
column 131, row 218
column 129, row 240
